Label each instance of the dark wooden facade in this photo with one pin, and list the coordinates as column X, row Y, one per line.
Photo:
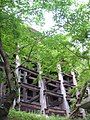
column 29, row 92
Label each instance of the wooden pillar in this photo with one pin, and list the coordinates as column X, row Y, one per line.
column 1, row 89
column 42, row 88
column 77, row 93
column 74, row 78
column 63, row 91
column 17, row 78
column 24, row 89
column 17, row 69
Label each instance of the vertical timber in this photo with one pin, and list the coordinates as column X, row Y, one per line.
column 63, row 91
column 42, row 88
column 24, row 89
column 17, row 78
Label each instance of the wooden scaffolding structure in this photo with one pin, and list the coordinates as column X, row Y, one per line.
column 47, row 95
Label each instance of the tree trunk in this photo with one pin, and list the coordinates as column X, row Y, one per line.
column 6, row 66
column 76, row 109
column 12, row 93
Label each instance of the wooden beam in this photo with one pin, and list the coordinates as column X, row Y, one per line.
column 56, row 89
column 34, row 99
column 30, row 106
column 68, row 75
column 48, row 79
column 55, row 111
column 29, row 77
column 47, row 92
column 66, row 84
column 53, row 85
column 30, row 86
column 28, row 70
column 54, row 103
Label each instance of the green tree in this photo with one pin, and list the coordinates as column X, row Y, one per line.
column 71, row 49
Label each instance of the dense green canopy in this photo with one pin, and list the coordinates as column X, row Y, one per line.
column 71, row 48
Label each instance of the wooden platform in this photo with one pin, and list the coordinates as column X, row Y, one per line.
column 55, row 111
column 31, row 92
column 31, row 87
column 26, row 106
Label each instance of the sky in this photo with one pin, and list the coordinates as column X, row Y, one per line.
column 49, row 22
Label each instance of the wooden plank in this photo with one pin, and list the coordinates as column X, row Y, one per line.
column 66, row 84
column 28, row 70
column 30, row 86
column 55, row 111
column 47, row 79
column 53, row 93
column 29, row 77
column 30, row 106
column 34, row 98
column 54, row 103
column 53, row 85
column 57, row 90
column 68, row 75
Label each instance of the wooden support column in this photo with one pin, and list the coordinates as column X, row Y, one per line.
column 63, row 91
column 42, row 88
column 1, row 89
column 17, row 78
column 77, row 93
column 24, row 89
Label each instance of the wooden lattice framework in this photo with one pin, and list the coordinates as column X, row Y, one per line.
column 47, row 96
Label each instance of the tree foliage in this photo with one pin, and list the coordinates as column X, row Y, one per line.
column 70, row 49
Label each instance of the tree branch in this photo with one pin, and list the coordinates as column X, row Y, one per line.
column 6, row 65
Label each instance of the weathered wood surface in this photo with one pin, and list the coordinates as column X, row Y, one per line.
column 56, row 111
column 30, row 106
column 42, row 88
column 63, row 91
column 28, row 70
column 30, row 86
column 47, row 92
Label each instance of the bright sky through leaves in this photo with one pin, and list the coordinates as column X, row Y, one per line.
column 49, row 22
